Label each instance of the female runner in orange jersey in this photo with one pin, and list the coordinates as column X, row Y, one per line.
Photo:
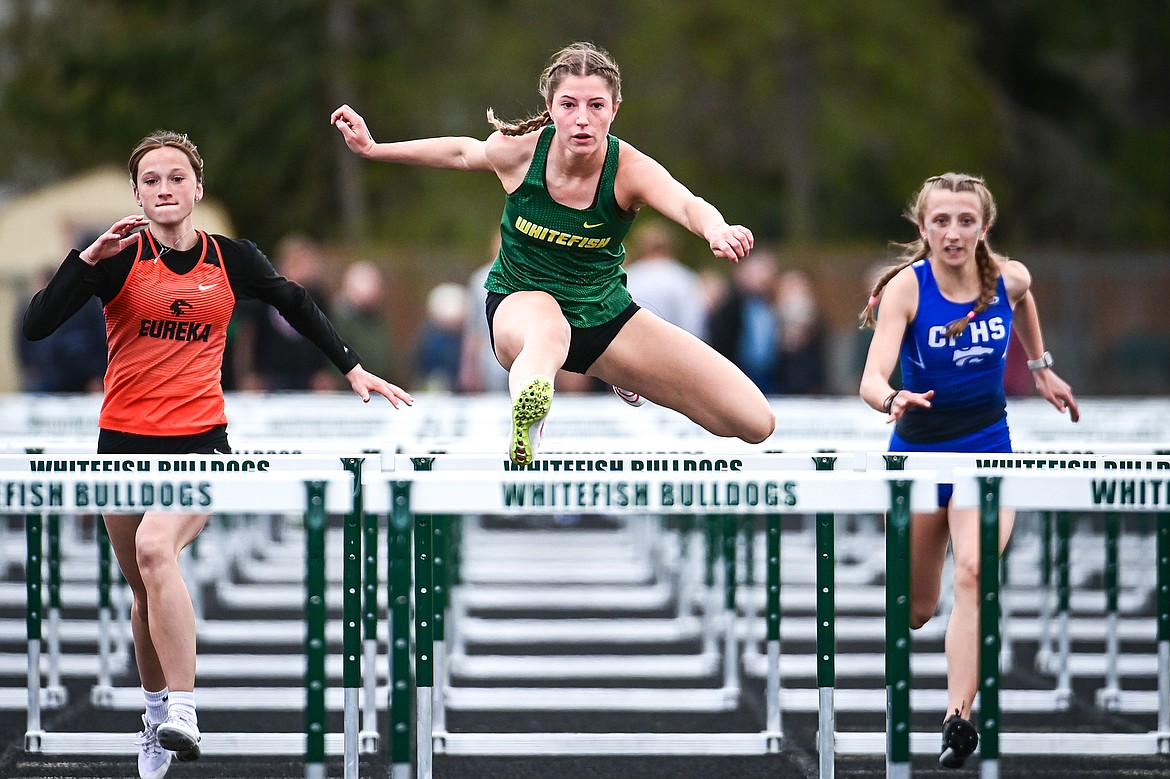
column 168, row 293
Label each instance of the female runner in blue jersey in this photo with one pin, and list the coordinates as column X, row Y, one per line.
column 947, row 310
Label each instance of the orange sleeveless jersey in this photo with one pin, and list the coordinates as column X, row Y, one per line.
column 166, row 335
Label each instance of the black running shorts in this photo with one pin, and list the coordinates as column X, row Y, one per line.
column 213, row 441
column 586, row 344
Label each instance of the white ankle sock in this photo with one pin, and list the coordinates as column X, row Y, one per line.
column 156, row 705
column 182, row 704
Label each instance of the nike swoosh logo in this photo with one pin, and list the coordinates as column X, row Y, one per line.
column 590, row 227
column 205, row 287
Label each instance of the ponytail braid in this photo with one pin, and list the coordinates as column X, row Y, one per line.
column 988, row 283
column 522, row 127
column 911, row 253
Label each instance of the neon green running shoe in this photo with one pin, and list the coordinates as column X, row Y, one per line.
column 528, row 413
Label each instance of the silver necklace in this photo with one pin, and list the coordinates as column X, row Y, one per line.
column 165, row 249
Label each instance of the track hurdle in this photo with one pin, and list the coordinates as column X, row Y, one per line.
column 188, row 484
column 1055, row 536
column 768, row 493
column 722, row 536
column 1122, row 491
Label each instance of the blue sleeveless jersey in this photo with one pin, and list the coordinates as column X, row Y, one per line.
column 966, row 373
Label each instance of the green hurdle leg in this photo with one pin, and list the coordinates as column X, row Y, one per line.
column 438, row 571
column 34, row 603
column 1063, row 693
column 315, row 616
column 1163, row 587
column 772, row 607
column 898, row 630
column 351, row 613
column 826, row 630
column 989, row 714
column 34, row 573
column 55, row 694
column 424, row 640
column 442, row 539
column 398, row 584
column 368, row 736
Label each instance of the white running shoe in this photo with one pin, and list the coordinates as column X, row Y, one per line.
column 181, row 736
column 153, row 760
column 528, row 412
column 633, row 398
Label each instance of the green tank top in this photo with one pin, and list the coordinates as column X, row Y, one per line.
column 573, row 254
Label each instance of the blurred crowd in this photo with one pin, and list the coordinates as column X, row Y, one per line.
column 764, row 317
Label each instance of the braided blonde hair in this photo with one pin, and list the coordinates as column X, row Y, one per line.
column 987, row 260
column 576, row 59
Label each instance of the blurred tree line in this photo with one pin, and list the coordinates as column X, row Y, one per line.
column 810, row 121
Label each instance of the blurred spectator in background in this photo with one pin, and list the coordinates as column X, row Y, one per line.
column 73, row 358
column 359, row 314
column 714, row 287
column 743, row 327
column 439, row 343
column 479, row 370
column 659, row 282
column 802, row 335
column 270, row 355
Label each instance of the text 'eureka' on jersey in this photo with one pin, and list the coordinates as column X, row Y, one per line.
column 173, row 329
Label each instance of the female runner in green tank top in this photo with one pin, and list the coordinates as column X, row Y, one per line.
column 556, row 294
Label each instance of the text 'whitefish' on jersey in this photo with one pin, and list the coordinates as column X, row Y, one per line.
column 558, row 237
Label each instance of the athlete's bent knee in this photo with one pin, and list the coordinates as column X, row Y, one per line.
column 153, row 557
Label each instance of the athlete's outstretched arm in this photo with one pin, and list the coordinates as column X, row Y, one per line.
column 898, row 306
column 452, row 153
column 1050, row 386
column 646, row 182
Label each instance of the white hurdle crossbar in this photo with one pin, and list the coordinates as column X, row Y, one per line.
column 623, row 492
column 1142, row 484
column 37, row 485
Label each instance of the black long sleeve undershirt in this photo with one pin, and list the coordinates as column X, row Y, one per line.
column 249, row 272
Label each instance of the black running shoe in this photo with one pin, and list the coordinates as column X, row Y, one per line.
column 959, row 739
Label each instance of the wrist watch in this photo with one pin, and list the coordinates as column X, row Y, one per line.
column 1043, row 361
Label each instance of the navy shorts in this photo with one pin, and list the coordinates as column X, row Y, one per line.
column 586, row 344
column 213, row 441
column 993, row 439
